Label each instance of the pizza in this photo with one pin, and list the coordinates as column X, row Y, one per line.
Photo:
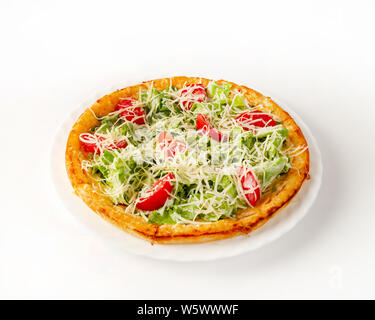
column 186, row 159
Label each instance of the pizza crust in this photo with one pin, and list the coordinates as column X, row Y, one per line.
column 246, row 220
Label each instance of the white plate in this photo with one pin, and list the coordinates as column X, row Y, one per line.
column 282, row 222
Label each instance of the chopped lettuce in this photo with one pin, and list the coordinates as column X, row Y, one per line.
column 219, row 93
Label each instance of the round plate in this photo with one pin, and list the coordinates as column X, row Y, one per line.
column 281, row 223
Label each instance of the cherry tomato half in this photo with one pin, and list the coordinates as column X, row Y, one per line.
column 192, row 93
column 249, row 184
column 95, row 143
column 170, row 144
column 204, row 126
column 255, row 118
column 132, row 111
column 159, row 193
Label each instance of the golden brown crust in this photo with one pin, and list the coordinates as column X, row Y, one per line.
column 246, row 220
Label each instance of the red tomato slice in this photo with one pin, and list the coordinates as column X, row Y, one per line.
column 249, row 184
column 95, row 143
column 159, row 193
column 203, row 125
column 192, row 93
column 170, row 145
column 117, row 145
column 164, row 139
column 132, row 111
column 255, row 118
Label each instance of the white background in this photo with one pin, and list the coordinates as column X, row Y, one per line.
column 318, row 57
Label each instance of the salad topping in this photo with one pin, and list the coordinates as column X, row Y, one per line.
column 190, row 155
